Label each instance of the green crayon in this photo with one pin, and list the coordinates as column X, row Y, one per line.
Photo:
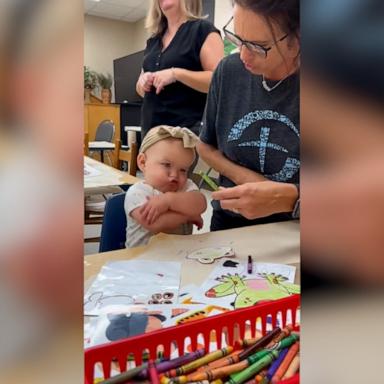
column 252, row 370
column 209, row 181
column 284, row 343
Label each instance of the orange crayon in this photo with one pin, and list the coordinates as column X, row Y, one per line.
column 285, row 363
column 293, row 367
column 218, row 373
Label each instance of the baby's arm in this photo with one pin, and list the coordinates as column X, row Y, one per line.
column 190, row 204
column 165, row 222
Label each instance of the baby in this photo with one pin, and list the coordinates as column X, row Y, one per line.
column 166, row 199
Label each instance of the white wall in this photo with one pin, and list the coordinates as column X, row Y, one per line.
column 223, row 12
column 106, row 40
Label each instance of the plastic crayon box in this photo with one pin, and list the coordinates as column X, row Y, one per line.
column 229, row 323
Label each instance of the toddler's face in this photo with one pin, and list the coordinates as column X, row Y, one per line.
column 165, row 165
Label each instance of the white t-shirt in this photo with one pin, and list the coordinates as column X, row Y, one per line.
column 135, row 197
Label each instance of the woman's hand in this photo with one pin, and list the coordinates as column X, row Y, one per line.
column 259, row 199
column 163, row 78
column 146, row 81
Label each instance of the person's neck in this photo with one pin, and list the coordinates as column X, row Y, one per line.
column 174, row 21
column 281, row 72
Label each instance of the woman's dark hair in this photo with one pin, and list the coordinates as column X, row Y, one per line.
column 285, row 13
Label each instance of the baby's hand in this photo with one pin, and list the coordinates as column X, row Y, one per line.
column 198, row 221
column 153, row 208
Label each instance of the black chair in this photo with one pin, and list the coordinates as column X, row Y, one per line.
column 105, row 132
column 113, row 230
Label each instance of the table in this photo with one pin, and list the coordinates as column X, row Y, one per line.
column 104, row 177
column 274, row 243
column 101, row 146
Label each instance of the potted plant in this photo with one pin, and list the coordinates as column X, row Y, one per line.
column 105, row 83
column 90, row 83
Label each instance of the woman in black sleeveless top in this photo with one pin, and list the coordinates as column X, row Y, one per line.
column 179, row 60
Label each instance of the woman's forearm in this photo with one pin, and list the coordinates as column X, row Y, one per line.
column 197, row 80
column 238, row 174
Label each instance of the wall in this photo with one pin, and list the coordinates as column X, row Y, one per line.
column 106, row 40
column 223, row 12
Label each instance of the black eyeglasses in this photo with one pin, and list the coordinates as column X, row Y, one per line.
column 252, row 47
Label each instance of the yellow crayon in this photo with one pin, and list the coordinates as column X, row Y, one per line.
column 184, row 369
column 218, row 381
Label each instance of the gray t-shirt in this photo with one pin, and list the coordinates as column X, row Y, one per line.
column 253, row 127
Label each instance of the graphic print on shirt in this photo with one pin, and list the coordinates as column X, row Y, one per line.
column 291, row 165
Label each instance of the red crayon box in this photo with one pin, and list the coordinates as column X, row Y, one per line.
column 231, row 324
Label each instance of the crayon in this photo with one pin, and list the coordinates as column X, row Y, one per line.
column 233, row 358
column 285, row 363
column 250, row 265
column 285, row 332
column 153, row 376
column 209, row 181
column 253, row 369
column 260, row 343
column 164, row 366
column 273, row 368
column 218, row 381
column 125, row 376
column 261, row 375
column 286, row 342
column 293, row 367
column 247, row 342
column 218, row 373
column 187, row 368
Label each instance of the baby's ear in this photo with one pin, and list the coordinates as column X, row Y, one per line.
column 141, row 158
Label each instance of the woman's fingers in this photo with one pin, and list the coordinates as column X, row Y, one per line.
column 227, row 193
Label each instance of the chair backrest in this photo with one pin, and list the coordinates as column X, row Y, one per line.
column 86, row 141
column 105, row 131
column 130, row 156
column 113, row 229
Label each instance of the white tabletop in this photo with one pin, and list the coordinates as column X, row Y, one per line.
column 101, row 145
column 132, row 128
column 274, row 243
column 101, row 177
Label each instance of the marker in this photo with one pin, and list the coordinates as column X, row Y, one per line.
column 250, row 264
column 209, row 181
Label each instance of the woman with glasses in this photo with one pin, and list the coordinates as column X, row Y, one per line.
column 250, row 134
column 179, row 60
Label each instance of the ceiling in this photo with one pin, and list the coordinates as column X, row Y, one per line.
column 123, row 10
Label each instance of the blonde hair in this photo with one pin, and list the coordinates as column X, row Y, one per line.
column 156, row 22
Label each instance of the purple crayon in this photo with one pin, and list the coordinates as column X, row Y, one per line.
column 174, row 363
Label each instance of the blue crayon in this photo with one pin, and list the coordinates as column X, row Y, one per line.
column 275, row 365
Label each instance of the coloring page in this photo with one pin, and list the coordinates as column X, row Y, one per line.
column 125, row 283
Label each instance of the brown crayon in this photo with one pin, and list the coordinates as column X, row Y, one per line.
column 233, row 358
column 260, row 343
column 293, row 367
column 285, row 363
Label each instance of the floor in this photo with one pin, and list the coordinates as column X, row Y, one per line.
column 94, row 230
